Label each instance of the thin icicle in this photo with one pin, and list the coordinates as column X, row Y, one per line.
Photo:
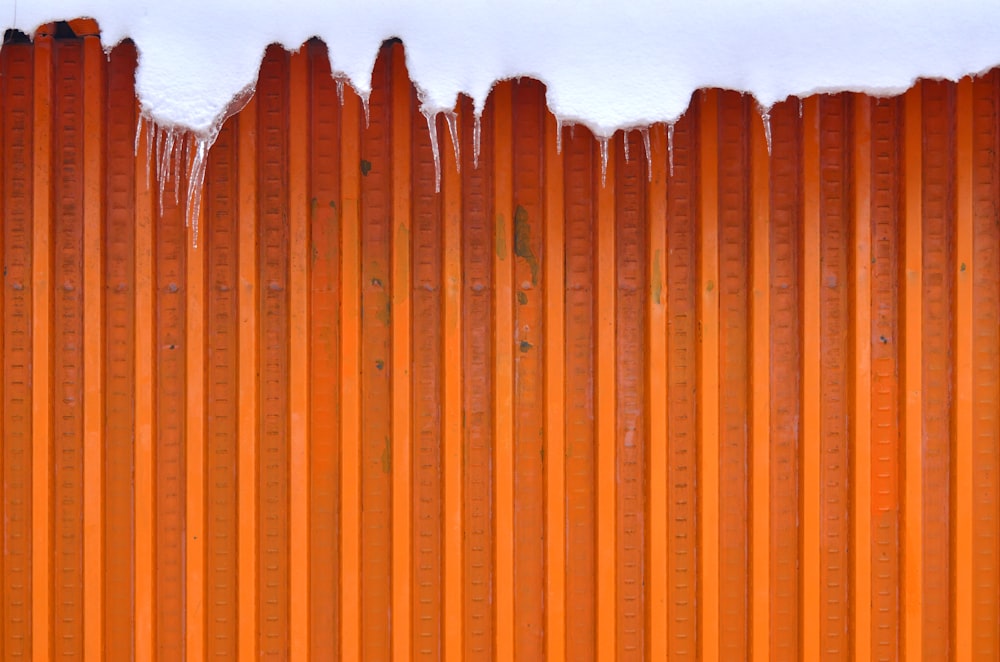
column 649, row 159
column 432, row 128
column 625, row 143
column 559, row 129
column 178, row 155
column 452, row 118
column 340, row 91
column 604, row 161
column 138, row 134
column 800, row 107
column 196, row 177
column 670, row 147
column 364, row 104
column 161, row 169
column 766, row 117
column 477, row 131
column 572, row 131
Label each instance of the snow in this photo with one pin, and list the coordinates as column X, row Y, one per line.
column 606, row 65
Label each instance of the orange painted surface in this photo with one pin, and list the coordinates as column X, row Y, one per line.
column 715, row 400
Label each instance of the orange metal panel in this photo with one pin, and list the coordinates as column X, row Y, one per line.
column 728, row 389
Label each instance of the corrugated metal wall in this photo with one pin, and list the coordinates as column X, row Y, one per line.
column 715, row 402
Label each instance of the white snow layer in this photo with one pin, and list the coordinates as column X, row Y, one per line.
column 606, row 64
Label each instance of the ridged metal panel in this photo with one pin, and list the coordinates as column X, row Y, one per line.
column 732, row 392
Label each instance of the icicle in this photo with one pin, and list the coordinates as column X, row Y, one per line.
column 800, row 107
column 452, row 118
column 178, row 155
column 364, row 104
column 572, row 131
column 432, row 128
column 196, row 177
column 477, row 131
column 340, row 91
column 670, row 147
column 161, row 170
column 625, row 143
column 150, row 139
column 138, row 134
column 604, row 161
column 649, row 159
column 766, row 117
column 559, row 128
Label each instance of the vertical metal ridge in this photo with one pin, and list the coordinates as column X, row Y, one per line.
column 912, row 282
column 811, row 536
column 401, row 281
column 503, row 440
column 555, row 390
column 760, row 393
column 657, row 398
column 350, row 349
column 453, row 455
column 299, row 186
column 965, row 484
column 708, row 372
column 93, row 355
column 605, row 414
column 41, row 318
column 862, row 339
column 248, row 411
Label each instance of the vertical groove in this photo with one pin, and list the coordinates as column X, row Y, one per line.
column 248, row 407
column 657, row 399
column 452, row 359
column 912, row 283
column 862, row 431
column 811, row 394
column 399, row 231
column 708, row 373
column 682, row 289
column 41, row 319
column 760, row 381
column 555, row 389
column 219, row 240
column 145, row 415
column 504, row 385
column 350, row 422
column 605, row 392
column 965, row 484
column 298, row 197
column 986, row 367
column 325, row 324
column 581, row 450
column 194, row 452
column 93, row 373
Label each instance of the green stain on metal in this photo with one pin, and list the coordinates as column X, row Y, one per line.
column 501, row 238
column 333, row 204
column 379, row 363
column 657, row 278
column 313, row 206
column 387, row 457
column 384, row 313
column 710, row 286
column 366, row 167
column 522, row 241
column 522, row 298
column 525, row 346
